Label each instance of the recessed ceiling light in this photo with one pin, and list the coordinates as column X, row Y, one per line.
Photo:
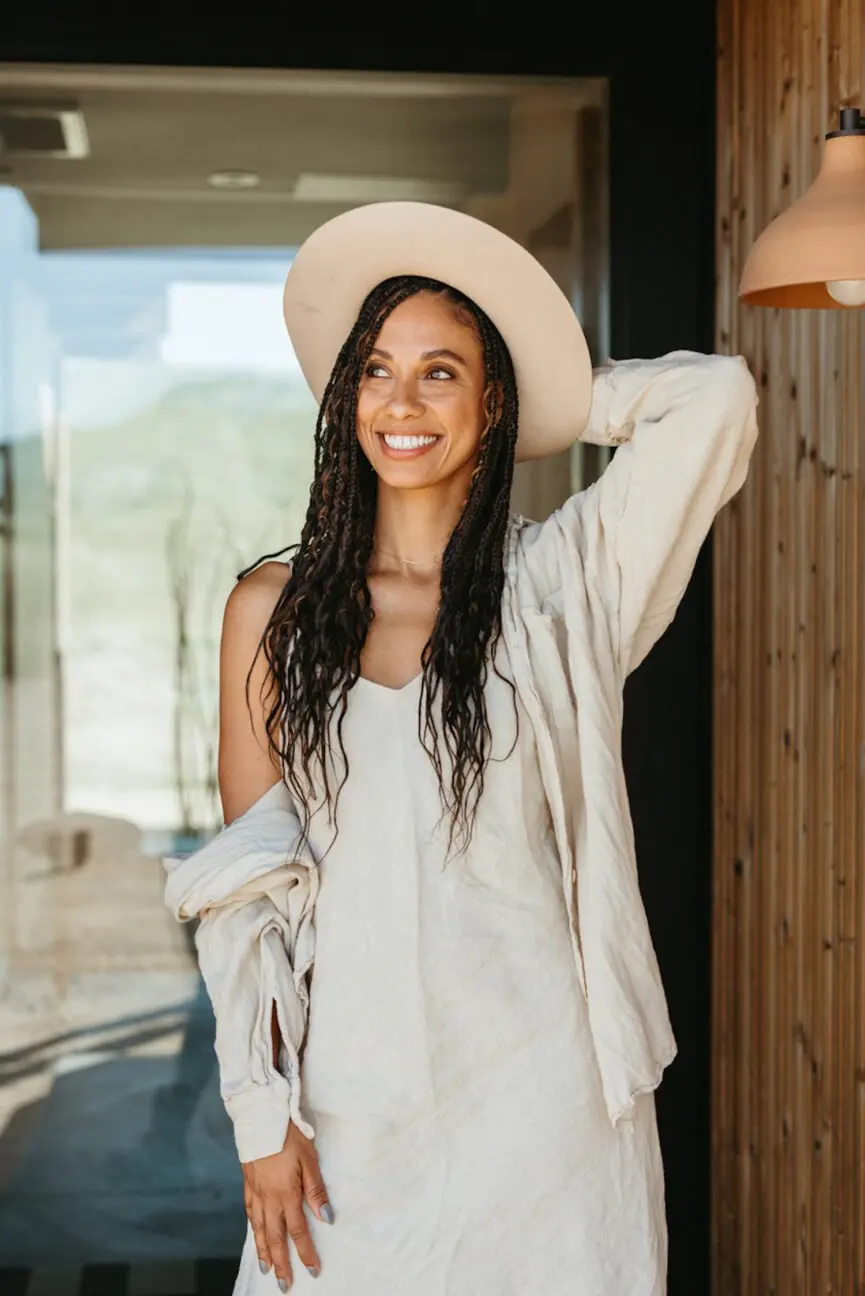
column 234, row 179
column 314, row 187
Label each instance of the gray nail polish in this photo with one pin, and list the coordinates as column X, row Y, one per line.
column 313, row 1270
column 327, row 1213
column 283, row 1285
column 264, row 1266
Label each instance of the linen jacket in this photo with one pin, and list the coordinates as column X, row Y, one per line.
column 587, row 594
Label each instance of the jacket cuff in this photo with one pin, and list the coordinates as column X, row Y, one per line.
column 260, row 1116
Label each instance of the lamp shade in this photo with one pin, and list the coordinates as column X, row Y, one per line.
column 820, row 239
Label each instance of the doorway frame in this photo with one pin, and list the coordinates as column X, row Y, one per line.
column 661, row 77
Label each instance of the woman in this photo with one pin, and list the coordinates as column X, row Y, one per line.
column 421, row 776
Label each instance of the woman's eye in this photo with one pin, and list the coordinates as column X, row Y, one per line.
column 438, row 374
column 374, row 370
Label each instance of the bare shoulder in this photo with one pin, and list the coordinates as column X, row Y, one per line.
column 247, row 767
column 250, row 604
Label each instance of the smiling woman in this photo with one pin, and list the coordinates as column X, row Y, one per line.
column 420, row 741
column 440, row 509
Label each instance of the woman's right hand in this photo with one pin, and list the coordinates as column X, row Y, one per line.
column 274, row 1189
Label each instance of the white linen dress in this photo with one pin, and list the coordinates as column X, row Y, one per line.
column 484, row 1034
column 449, row 1071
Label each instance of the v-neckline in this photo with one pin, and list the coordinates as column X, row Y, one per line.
column 387, row 688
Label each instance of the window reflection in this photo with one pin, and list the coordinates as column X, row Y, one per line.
column 169, row 443
column 155, row 438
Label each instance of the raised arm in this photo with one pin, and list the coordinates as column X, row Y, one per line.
column 685, row 426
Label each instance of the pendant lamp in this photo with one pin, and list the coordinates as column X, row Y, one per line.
column 812, row 256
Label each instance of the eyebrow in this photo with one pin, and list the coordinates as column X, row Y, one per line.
column 440, row 353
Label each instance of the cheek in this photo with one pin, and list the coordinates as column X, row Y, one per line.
column 366, row 408
column 467, row 419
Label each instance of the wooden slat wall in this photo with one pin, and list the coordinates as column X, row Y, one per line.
column 789, row 926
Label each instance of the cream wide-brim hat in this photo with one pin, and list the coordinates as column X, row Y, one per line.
column 344, row 259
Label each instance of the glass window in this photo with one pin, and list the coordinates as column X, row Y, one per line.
column 156, row 438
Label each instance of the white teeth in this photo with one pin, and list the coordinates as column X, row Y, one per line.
column 408, row 442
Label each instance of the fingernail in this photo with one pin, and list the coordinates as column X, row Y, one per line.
column 326, row 1213
column 313, row 1270
column 264, row 1266
column 283, row 1285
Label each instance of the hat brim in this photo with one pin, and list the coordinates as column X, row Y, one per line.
column 344, row 259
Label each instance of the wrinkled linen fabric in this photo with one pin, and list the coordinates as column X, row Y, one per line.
column 254, row 889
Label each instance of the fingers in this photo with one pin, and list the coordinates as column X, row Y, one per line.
column 315, row 1192
column 275, row 1191
column 275, row 1228
column 298, row 1230
column 255, row 1213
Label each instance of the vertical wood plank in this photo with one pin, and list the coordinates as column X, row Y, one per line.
column 788, row 1095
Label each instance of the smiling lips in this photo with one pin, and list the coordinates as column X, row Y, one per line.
column 402, row 446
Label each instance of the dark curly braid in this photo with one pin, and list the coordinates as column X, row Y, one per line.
column 315, row 635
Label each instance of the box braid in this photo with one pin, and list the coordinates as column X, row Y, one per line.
column 315, row 635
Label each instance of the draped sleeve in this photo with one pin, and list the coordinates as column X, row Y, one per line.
column 685, row 426
column 253, row 889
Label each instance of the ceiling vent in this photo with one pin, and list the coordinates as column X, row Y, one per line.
column 35, row 128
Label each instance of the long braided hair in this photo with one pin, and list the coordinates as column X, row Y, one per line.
column 317, row 630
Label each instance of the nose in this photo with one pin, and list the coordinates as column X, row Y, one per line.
column 405, row 402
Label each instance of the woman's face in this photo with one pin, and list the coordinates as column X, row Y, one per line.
column 420, row 409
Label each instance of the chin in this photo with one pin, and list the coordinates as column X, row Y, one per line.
column 406, row 476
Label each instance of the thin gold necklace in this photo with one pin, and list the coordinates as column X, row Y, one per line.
column 408, row 562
